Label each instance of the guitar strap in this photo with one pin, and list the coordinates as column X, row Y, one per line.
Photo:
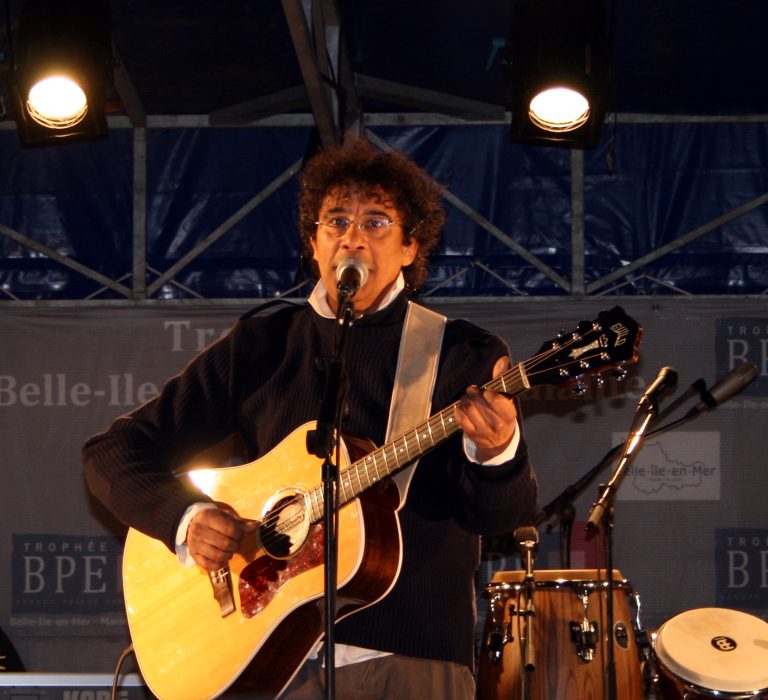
column 415, row 378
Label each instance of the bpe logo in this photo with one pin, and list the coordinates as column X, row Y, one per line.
column 66, row 574
column 741, row 568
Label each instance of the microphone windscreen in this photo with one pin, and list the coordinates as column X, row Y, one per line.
column 352, row 272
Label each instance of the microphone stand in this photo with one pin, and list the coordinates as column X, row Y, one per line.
column 527, row 539
column 562, row 505
column 321, row 442
column 604, row 510
column 606, row 500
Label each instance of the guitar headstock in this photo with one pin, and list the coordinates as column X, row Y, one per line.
column 609, row 342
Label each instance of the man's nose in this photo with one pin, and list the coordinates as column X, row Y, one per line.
column 353, row 237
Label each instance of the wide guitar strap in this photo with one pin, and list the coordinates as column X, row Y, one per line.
column 415, row 378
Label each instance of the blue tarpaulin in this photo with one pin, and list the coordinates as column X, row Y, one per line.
column 645, row 187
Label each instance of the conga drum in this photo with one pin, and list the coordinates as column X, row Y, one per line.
column 712, row 653
column 568, row 637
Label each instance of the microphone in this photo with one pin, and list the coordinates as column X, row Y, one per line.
column 351, row 275
column 733, row 383
column 645, row 414
column 527, row 538
column 665, row 379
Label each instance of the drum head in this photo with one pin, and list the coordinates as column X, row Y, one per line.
column 716, row 649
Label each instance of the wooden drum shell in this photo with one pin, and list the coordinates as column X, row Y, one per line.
column 559, row 671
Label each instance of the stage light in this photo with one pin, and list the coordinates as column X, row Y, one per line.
column 57, row 102
column 559, row 71
column 559, row 109
column 61, row 66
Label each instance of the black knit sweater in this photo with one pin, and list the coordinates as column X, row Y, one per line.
column 262, row 381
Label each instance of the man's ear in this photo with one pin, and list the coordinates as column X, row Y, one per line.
column 410, row 251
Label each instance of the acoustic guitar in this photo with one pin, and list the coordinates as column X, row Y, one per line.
column 252, row 624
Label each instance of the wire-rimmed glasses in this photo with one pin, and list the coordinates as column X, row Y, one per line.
column 371, row 226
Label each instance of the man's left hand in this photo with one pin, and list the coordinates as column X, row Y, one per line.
column 488, row 419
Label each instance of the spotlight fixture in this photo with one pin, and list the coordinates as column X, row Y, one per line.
column 559, row 71
column 61, row 66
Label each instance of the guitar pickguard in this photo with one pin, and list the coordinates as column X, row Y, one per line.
column 261, row 580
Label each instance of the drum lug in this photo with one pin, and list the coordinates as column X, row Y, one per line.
column 497, row 638
column 499, row 633
column 584, row 635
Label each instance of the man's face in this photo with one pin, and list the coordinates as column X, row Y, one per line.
column 382, row 251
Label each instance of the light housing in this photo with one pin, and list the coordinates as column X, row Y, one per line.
column 65, row 44
column 558, row 47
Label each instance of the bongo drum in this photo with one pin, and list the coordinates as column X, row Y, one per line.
column 713, row 653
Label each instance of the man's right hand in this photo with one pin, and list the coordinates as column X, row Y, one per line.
column 214, row 535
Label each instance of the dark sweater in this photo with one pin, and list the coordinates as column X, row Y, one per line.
column 262, row 381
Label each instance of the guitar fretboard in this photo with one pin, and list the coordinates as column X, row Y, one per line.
column 400, row 452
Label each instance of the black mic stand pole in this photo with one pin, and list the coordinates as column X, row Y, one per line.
column 604, row 510
column 321, row 442
column 567, row 518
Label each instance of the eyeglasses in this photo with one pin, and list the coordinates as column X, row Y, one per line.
column 371, row 226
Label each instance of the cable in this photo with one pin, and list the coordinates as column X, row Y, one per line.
column 126, row 652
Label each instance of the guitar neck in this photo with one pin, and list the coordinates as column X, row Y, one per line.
column 609, row 342
column 408, row 447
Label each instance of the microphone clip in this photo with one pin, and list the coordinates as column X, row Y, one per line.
column 704, row 394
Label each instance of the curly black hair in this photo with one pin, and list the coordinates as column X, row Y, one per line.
column 356, row 165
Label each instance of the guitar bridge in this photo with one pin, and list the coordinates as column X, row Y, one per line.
column 221, row 582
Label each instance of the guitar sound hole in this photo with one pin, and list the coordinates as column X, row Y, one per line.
column 285, row 527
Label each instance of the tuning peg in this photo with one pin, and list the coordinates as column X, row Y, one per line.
column 579, row 387
column 620, row 373
column 600, row 380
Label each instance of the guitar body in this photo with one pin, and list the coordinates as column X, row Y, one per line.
column 187, row 650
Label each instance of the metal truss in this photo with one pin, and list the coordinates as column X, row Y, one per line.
column 327, row 76
column 144, row 282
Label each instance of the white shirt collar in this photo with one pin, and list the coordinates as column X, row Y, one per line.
column 318, row 300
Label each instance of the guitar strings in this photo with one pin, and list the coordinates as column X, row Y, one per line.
column 271, row 537
column 411, row 439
